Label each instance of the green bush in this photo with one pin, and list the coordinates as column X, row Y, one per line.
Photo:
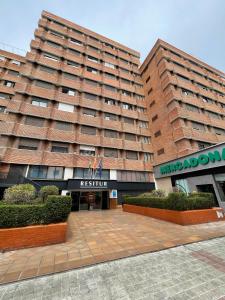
column 153, row 193
column 174, row 201
column 20, row 194
column 55, row 210
column 48, row 190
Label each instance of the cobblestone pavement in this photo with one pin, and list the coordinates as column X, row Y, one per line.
column 100, row 236
column 195, row 271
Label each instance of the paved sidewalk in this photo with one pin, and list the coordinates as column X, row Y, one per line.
column 99, row 236
column 195, row 271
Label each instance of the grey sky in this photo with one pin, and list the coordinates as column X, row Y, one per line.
column 195, row 26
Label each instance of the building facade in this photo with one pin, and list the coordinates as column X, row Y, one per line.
column 73, row 114
column 185, row 101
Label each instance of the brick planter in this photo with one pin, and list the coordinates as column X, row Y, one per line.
column 188, row 217
column 32, row 236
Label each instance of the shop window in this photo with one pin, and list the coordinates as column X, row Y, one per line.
column 38, row 172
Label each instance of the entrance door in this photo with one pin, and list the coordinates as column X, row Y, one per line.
column 75, row 200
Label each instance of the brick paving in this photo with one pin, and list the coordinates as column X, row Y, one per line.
column 178, row 273
column 99, row 236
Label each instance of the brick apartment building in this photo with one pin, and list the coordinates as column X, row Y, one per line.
column 81, row 113
column 186, row 102
column 75, row 110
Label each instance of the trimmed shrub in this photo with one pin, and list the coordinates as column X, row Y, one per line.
column 20, row 194
column 158, row 193
column 174, row 201
column 48, row 190
column 55, row 210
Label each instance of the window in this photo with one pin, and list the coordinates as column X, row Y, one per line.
column 152, row 103
column 109, row 45
column 182, row 77
column 63, row 126
column 109, row 55
column 92, row 70
column 149, row 91
column 29, row 144
column 198, row 126
column 87, row 173
column 126, row 93
column 76, row 31
column 13, row 73
column 108, row 75
column 93, row 48
column 110, row 101
column 33, row 121
column 56, row 34
column 145, row 139
column 66, row 107
column 5, row 96
column 90, row 96
column 125, row 70
column 109, row 152
column 130, row 137
column 47, row 70
column 2, row 109
column 207, row 100
column 60, row 147
column 52, row 44
column 51, row 57
column 87, row 150
column 92, row 59
column 219, row 131
column 124, row 61
column 15, row 62
column 68, row 91
column 147, row 157
column 74, row 52
column 157, row 133
column 160, row 151
column 125, row 81
column 70, row 76
column 72, row 64
column 132, row 155
column 147, row 80
column 76, row 42
column 143, row 124
column 127, row 106
column 9, row 83
column 55, row 173
column 132, row 176
column 203, row 145
column 91, row 82
column 112, row 117
column 213, row 115
column 89, row 112
column 186, row 92
column 192, row 108
column 38, row 172
column 44, row 84
column 154, row 118
column 109, row 65
column 202, row 86
column 39, row 102
column 111, row 134
column 110, row 88
column 128, row 120
column 88, row 130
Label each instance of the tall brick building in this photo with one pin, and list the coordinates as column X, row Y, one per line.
column 186, row 102
column 75, row 110
column 79, row 111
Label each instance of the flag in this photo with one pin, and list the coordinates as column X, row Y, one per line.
column 100, row 165
column 94, row 167
column 89, row 169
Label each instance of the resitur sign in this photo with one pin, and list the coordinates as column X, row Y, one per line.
column 93, row 184
column 193, row 162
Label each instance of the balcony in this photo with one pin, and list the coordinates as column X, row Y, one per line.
column 129, row 128
column 113, row 163
column 31, row 131
column 61, row 115
column 128, row 99
column 92, row 104
column 130, row 164
column 91, row 88
column 87, row 139
column 110, row 124
column 72, row 83
column 7, row 128
column 130, row 113
column 147, row 148
column 23, row 156
column 29, row 109
column 132, row 145
column 61, row 97
column 58, row 28
column 111, row 142
column 40, row 92
column 143, row 131
column 57, row 159
column 113, row 109
column 178, row 112
column 90, row 120
column 189, row 133
column 48, row 62
column 61, row 135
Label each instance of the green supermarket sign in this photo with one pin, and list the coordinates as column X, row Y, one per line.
column 193, row 162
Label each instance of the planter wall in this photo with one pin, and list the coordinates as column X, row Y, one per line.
column 188, row 217
column 32, row 236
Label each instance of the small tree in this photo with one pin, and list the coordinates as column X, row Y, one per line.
column 47, row 190
column 20, row 194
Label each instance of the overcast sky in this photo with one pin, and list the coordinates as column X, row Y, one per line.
column 195, row 26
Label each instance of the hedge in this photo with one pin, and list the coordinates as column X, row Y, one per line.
column 56, row 209
column 174, row 201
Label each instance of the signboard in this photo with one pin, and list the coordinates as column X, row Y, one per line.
column 113, row 194
column 93, row 184
column 193, row 162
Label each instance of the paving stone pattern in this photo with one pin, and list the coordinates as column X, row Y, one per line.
column 175, row 274
column 99, row 236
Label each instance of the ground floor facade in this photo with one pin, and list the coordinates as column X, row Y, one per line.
column 87, row 191
column 202, row 171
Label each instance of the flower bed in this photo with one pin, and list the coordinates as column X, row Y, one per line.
column 177, row 208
